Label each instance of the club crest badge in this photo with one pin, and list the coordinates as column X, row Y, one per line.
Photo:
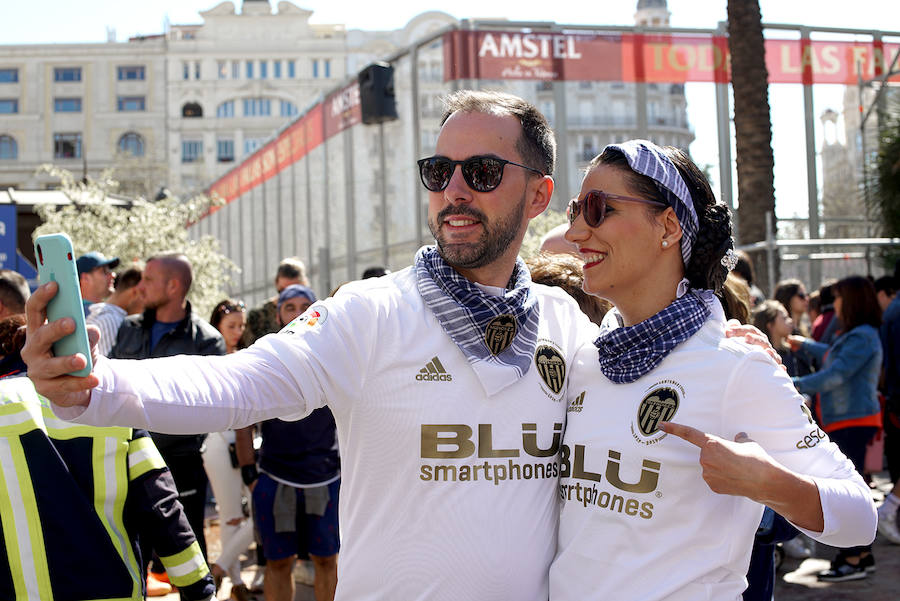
column 314, row 316
column 659, row 405
column 500, row 333
column 551, row 366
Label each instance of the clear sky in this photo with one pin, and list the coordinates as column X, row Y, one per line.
column 47, row 21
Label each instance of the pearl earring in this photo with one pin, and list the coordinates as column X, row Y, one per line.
column 665, row 244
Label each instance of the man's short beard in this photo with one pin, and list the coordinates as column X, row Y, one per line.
column 495, row 240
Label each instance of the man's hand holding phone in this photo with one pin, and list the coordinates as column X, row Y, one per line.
column 50, row 374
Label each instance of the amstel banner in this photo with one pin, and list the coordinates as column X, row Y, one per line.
column 652, row 58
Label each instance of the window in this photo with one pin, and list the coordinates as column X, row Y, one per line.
column 315, row 67
column 291, row 69
column 263, row 69
column 225, row 150
column 288, row 108
column 67, row 105
column 222, row 69
column 235, row 69
column 192, row 110
column 131, row 73
column 327, row 63
column 257, row 107
column 225, row 110
column 130, row 103
column 249, row 66
column 9, row 76
column 66, row 146
column 67, row 74
column 251, row 144
column 276, row 68
column 132, row 143
column 185, row 70
column 9, row 106
column 8, row 148
column 196, row 69
column 191, row 151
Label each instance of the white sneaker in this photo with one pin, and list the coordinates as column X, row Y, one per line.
column 304, row 573
column 796, row 548
column 887, row 523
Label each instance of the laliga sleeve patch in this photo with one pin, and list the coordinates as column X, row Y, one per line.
column 314, row 317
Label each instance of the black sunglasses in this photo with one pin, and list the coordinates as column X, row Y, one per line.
column 482, row 173
column 593, row 205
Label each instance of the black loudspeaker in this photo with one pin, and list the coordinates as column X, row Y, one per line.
column 376, row 93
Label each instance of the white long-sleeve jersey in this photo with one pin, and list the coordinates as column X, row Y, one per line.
column 447, row 493
column 638, row 521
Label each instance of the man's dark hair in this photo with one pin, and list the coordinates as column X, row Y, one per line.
column 129, row 278
column 13, row 290
column 292, row 268
column 177, row 266
column 885, row 284
column 374, row 272
column 536, row 145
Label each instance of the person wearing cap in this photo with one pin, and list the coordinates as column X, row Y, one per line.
column 168, row 326
column 295, row 485
column 95, row 277
column 676, row 436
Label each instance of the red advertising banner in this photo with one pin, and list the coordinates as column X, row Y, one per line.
column 342, row 110
column 651, row 58
column 315, row 128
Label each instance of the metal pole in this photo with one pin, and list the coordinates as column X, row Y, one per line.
column 416, row 141
column 771, row 247
column 812, row 188
column 560, row 117
column 350, row 209
column 384, row 202
column 723, row 120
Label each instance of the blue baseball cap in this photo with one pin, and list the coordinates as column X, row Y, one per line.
column 293, row 291
column 92, row 260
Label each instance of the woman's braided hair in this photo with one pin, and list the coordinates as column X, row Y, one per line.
column 714, row 234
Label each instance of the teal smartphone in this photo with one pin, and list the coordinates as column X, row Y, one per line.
column 56, row 263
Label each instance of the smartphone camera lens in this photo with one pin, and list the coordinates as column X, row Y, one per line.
column 40, row 254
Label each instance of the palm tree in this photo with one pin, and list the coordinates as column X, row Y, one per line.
column 752, row 127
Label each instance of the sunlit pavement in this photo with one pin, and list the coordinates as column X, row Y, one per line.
column 797, row 577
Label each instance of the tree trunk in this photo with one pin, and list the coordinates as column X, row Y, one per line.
column 752, row 128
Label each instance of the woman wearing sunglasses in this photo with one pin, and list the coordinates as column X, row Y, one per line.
column 677, row 436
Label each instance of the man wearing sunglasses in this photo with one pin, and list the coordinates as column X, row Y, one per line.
column 447, row 380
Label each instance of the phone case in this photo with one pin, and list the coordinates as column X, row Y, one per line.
column 56, row 263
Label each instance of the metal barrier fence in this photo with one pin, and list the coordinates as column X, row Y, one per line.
column 343, row 195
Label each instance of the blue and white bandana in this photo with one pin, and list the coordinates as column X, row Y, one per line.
column 497, row 334
column 648, row 159
column 630, row 352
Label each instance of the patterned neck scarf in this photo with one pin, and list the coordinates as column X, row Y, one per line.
column 630, row 352
column 497, row 334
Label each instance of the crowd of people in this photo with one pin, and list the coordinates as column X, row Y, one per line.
column 463, row 428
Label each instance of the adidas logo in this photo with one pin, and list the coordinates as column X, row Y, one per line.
column 576, row 405
column 433, row 372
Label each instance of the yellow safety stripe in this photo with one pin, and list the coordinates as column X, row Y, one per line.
column 22, row 531
column 143, row 456
column 60, row 429
column 109, row 458
column 19, row 416
column 186, row 567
